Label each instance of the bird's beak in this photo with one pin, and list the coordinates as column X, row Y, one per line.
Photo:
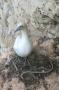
column 18, row 28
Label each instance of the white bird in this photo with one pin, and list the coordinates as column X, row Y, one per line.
column 23, row 44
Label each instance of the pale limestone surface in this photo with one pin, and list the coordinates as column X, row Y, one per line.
column 41, row 17
column 14, row 85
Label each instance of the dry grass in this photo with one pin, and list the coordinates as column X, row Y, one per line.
column 11, row 68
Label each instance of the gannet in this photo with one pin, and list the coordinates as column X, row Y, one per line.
column 22, row 45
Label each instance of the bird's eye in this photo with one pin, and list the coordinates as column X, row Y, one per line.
column 18, row 28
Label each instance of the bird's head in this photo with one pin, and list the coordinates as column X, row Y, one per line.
column 20, row 27
column 21, row 30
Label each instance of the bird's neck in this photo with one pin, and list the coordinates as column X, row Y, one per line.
column 23, row 33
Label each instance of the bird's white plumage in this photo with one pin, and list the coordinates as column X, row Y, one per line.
column 22, row 45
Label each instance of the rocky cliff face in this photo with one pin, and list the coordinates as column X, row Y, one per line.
column 41, row 17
